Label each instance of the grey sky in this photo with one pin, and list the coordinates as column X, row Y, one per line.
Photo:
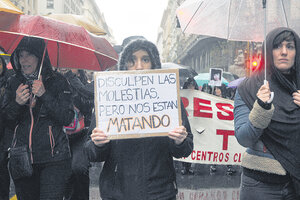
column 133, row 17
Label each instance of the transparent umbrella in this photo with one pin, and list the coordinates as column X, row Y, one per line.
column 240, row 20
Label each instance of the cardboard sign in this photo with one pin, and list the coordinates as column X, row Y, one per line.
column 211, row 119
column 133, row 104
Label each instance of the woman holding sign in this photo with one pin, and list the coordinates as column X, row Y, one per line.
column 270, row 129
column 140, row 168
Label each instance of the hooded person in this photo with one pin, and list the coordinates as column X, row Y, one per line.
column 37, row 109
column 270, row 131
column 5, row 136
column 136, row 45
column 139, row 169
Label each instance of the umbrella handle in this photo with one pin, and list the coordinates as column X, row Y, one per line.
column 42, row 62
column 271, row 95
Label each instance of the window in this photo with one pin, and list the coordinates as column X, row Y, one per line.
column 50, row 4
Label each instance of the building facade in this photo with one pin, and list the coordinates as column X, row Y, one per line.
column 87, row 8
column 198, row 52
column 201, row 52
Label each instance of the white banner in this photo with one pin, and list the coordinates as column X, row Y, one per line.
column 211, row 119
column 209, row 194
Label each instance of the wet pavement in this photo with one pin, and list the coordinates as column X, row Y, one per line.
column 202, row 185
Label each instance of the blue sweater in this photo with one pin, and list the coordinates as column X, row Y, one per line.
column 256, row 157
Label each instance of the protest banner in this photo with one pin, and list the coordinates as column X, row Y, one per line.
column 209, row 194
column 211, row 119
column 133, row 104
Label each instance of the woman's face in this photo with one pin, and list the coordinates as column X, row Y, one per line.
column 140, row 61
column 28, row 62
column 217, row 77
column 284, row 56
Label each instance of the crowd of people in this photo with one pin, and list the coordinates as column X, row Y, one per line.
column 48, row 123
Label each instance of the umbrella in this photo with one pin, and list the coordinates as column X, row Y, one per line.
column 235, row 83
column 204, row 78
column 79, row 20
column 68, row 46
column 184, row 71
column 7, row 6
column 240, row 20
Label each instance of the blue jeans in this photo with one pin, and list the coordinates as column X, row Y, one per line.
column 253, row 189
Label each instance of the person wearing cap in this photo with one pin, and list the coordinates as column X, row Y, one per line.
column 37, row 108
column 139, row 169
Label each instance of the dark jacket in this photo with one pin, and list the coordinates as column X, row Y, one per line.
column 83, row 97
column 140, row 169
column 52, row 110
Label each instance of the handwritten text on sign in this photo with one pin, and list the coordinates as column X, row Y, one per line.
column 133, row 104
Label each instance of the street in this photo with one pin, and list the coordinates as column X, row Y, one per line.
column 201, row 185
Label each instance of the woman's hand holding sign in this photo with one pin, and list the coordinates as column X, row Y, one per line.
column 99, row 137
column 178, row 134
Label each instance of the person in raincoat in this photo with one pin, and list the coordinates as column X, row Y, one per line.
column 270, row 130
column 78, row 183
column 5, row 136
column 139, row 169
column 37, row 109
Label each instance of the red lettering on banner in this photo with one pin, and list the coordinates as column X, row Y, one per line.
column 180, row 195
column 185, row 102
column 204, row 155
column 226, row 157
column 221, row 156
column 237, row 157
column 214, row 156
column 198, row 155
column 209, row 155
column 198, row 108
column 221, row 106
column 236, row 195
column 209, row 194
column 225, row 134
